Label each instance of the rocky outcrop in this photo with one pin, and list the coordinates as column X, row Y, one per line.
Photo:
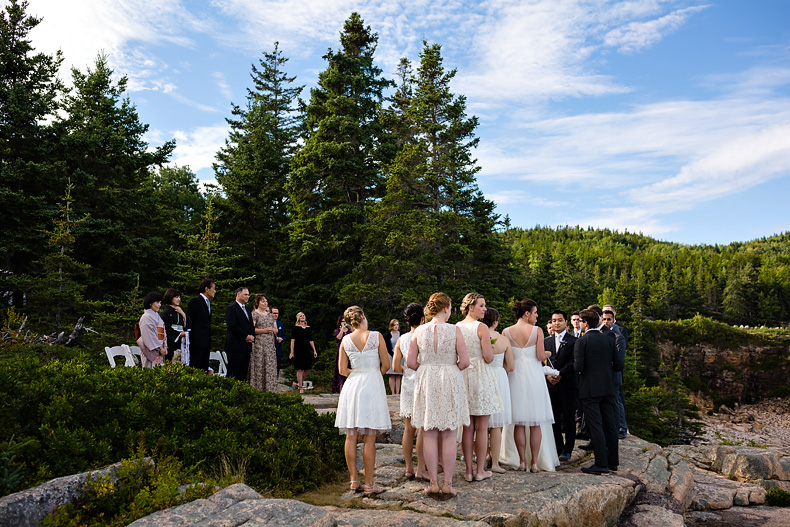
column 28, row 508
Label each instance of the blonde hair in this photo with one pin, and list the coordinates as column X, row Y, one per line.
column 436, row 303
column 353, row 316
column 469, row 300
column 299, row 314
column 393, row 322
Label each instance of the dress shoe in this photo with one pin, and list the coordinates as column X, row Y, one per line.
column 565, row 456
column 623, row 433
column 587, row 446
column 595, row 470
column 613, row 469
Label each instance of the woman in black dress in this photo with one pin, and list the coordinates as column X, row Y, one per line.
column 176, row 321
column 301, row 347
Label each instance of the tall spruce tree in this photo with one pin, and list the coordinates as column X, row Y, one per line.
column 252, row 169
column 336, row 176
column 30, row 183
column 111, row 167
column 433, row 230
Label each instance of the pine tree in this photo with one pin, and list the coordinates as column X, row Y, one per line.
column 252, row 168
column 111, row 167
column 30, row 182
column 336, row 176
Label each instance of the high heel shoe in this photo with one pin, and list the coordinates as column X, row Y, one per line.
column 534, row 468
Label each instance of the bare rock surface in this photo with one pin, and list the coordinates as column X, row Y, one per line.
column 760, row 516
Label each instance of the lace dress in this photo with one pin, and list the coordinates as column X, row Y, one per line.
column 409, row 376
column 504, row 417
column 440, row 400
column 362, row 405
column 481, row 385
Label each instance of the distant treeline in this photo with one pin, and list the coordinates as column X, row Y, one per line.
column 365, row 193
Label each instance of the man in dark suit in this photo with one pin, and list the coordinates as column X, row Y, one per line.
column 595, row 360
column 199, row 311
column 609, row 315
column 239, row 335
column 562, row 387
column 279, row 338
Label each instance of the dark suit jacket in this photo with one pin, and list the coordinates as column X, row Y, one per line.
column 596, row 360
column 200, row 320
column 238, row 327
column 562, row 360
column 619, row 342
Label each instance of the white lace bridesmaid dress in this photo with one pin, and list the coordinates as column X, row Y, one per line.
column 481, row 385
column 504, row 417
column 440, row 400
column 362, row 407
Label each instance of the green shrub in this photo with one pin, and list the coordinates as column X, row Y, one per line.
column 139, row 489
column 777, row 497
column 73, row 416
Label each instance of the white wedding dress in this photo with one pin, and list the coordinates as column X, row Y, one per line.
column 531, row 406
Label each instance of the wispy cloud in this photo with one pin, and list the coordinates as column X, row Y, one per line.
column 636, row 36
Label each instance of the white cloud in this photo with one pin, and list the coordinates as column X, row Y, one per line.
column 636, row 36
column 222, row 84
column 198, row 147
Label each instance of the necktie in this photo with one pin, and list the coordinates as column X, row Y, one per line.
column 208, row 305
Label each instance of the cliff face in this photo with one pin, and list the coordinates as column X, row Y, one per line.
column 744, row 374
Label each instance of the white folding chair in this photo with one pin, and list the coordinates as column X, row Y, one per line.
column 222, row 359
column 119, row 351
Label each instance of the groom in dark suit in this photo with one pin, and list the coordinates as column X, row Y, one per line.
column 596, row 360
column 562, row 387
column 199, row 312
column 239, row 335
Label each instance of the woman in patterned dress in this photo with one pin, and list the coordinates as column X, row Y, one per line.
column 263, row 361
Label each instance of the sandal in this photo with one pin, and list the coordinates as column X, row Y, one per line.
column 498, row 469
column 409, row 475
column 534, row 469
column 373, row 489
column 435, row 494
column 469, row 478
column 355, row 485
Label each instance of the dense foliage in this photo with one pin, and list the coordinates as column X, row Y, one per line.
column 66, row 412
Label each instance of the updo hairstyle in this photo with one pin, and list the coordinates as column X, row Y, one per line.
column 491, row 317
column 353, row 316
column 523, row 306
column 469, row 300
column 436, row 303
column 413, row 314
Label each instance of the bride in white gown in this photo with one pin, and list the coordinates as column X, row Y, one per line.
column 531, row 406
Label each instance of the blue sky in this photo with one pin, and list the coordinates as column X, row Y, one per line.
column 666, row 117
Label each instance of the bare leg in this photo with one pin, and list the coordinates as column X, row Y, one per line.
column 299, row 378
column 350, row 451
column 467, row 447
column 481, row 444
column 430, row 446
column 369, row 457
column 496, row 447
column 391, row 380
column 534, row 443
column 447, row 437
column 397, row 384
column 408, row 445
column 422, row 468
column 520, row 437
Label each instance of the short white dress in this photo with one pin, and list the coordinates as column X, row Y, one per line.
column 481, row 385
column 440, row 401
column 362, row 407
column 409, row 376
column 504, row 417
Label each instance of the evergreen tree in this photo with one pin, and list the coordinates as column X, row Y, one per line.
column 111, row 167
column 252, row 168
column 30, row 182
column 336, row 175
